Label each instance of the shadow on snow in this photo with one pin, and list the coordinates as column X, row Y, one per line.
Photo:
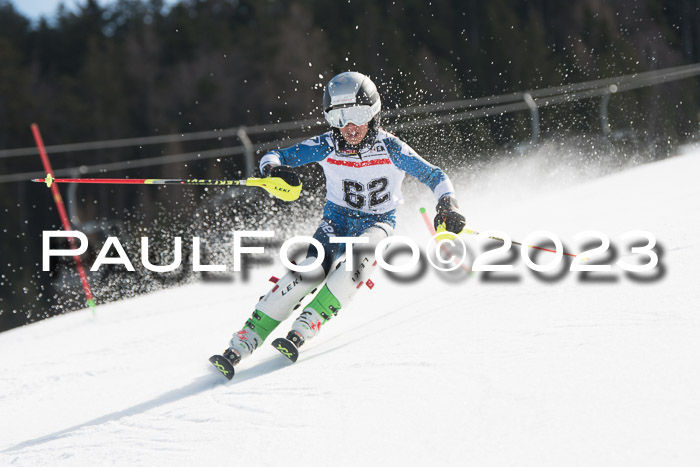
column 197, row 386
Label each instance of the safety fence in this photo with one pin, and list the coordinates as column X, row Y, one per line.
column 445, row 113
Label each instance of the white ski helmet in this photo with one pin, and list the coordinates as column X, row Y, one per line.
column 351, row 97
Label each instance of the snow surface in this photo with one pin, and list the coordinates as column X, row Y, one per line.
column 425, row 372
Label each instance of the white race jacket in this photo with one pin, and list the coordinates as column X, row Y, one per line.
column 368, row 181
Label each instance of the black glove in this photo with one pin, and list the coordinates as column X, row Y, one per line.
column 282, row 171
column 447, row 213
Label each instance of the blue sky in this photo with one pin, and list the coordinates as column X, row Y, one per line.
column 33, row 9
column 36, row 8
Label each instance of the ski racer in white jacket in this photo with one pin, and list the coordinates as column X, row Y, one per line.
column 364, row 168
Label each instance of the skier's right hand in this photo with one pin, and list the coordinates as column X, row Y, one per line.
column 284, row 172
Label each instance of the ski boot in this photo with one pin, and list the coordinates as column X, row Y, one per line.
column 244, row 342
column 308, row 324
column 242, row 345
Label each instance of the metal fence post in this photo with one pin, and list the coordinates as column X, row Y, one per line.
column 72, row 200
column 535, row 117
column 604, row 123
column 248, row 152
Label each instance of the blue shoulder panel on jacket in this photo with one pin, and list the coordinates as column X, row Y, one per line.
column 406, row 159
column 311, row 150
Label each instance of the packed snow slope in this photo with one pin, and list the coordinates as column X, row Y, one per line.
column 429, row 371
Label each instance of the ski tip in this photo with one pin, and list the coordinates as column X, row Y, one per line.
column 223, row 364
column 286, row 348
column 422, row 210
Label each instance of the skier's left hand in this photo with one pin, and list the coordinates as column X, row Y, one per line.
column 447, row 213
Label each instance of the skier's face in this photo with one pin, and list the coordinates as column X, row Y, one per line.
column 354, row 134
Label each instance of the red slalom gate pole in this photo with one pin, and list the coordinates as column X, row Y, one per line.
column 64, row 216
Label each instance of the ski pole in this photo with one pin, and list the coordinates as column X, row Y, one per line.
column 443, row 233
column 273, row 185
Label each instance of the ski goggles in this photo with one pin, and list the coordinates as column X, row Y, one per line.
column 359, row 115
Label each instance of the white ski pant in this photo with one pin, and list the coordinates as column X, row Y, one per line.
column 280, row 302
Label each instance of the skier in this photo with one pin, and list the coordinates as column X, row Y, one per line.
column 364, row 167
